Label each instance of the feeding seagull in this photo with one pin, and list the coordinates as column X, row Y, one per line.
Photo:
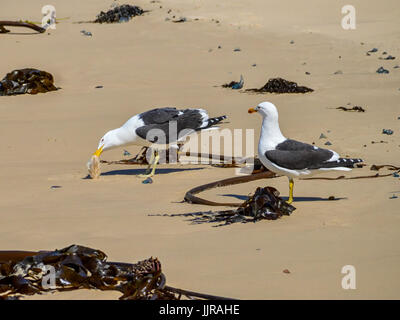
column 293, row 158
column 157, row 128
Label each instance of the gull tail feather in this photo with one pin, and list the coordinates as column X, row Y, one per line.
column 212, row 122
column 340, row 164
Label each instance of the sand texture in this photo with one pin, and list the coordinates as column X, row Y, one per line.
column 47, row 139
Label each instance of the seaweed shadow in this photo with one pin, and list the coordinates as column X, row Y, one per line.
column 295, row 199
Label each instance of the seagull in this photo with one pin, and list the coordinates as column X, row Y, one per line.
column 156, row 128
column 290, row 157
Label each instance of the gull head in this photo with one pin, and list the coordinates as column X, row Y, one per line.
column 108, row 141
column 266, row 109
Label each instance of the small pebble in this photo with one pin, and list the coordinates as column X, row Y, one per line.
column 373, row 50
column 181, row 19
column 219, row 47
column 339, row 72
column 387, row 58
column 55, row 187
column 331, row 198
column 254, row 65
column 396, row 67
column 322, row 136
column 86, row 33
column 382, row 70
column 396, row 175
column 387, row 131
column 393, row 197
column 286, row 271
column 237, row 49
column 328, row 143
column 98, row 87
column 291, row 41
column 307, row 73
column 148, row 181
column 127, row 153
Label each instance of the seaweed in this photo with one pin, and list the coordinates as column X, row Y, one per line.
column 77, row 267
column 121, row 13
column 355, row 108
column 19, row 24
column 279, row 85
column 265, row 203
column 26, row 80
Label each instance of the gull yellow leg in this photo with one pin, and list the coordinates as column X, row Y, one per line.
column 154, row 163
column 156, row 158
column 291, row 184
column 150, row 162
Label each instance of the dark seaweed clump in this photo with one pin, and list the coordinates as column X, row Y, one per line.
column 264, row 204
column 121, row 13
column 279, row 85
column 27, row 80
column 80, row 267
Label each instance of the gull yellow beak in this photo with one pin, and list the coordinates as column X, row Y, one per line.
column 98, row 151
column 252, row 110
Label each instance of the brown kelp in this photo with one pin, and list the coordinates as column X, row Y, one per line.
column 265, row 203
column 28, row 80
column 121, row 13
column 355, row 108
column 77, row 267
column 25, row 24
column 279, row 85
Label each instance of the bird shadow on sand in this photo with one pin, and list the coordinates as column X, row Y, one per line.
column 295, row 199
column 134, row 172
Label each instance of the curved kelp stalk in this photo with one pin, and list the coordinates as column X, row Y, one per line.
column 19, row 24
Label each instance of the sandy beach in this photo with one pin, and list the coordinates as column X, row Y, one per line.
column 151, row 62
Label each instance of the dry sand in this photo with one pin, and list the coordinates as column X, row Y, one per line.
column 148, row 62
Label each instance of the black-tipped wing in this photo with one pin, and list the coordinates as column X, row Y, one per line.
column 167, row 125
column 296, row 155
column 159, row 115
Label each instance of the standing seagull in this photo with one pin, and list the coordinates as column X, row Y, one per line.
column 289, row 157
column 155, row 128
